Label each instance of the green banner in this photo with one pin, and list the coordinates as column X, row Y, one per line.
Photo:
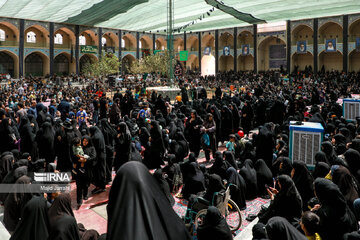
column 157, row 51
column 88, row 49
column 184, row 55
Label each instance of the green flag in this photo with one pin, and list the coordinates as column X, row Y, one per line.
column 184, row 55
column 88, row 49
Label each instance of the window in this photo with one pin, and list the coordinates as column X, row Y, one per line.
column 31, row 37
column 2, row 35
column 155, row 45
column 163, row 48
column 139, row 44
column 82, row 40
column 58, row 39
column 179, row 48
column 122, row 43
column 103, row 41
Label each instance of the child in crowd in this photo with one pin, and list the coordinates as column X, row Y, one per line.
column 230, row 146
column 309, row 224
column 79, row 154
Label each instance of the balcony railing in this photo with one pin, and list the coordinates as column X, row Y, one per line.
column 36, row 45
column 309, row 41
column 239, row 44
column 353, row 38
column 322, row 39
column 128, row 49
column 64, row 46
column 9, row 43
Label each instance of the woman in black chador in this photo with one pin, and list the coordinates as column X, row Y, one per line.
column 138, row 208
column 192, row 132
column 99, row 170
column 154, row 153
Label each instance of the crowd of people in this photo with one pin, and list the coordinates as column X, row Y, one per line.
column 153, row 144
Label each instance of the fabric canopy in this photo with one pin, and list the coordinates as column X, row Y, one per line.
column 151, row 15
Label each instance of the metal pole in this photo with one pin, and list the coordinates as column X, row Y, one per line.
column 170, row 40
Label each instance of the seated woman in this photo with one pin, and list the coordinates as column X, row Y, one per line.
column 264, row 177
column 249, row 174
column 220, row 165
column 336, row 218
column 321, row 170
column 347, row 184
column 195, row 182
column 61, row 217
column 34, row 223
column 279, row 228
column 65, row 228
column 174, row 175
column 15, row 202
column 303, row 182
column 159, row 176
column 198, row 202
column 237, row 188
column 285, row 203
column 214, row 227
column 138, row 209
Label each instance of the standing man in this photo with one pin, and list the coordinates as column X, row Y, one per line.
column 81, row 116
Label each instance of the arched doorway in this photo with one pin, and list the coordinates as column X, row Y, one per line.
column 7, row 64
column 302, row 60
column 330, row 30
column 11, row 34
column 226, row 39
column 208, row 41
column 160, row 43
column 208, row 65
column 271, row 54
column 354, row 31
column 66, row 39
column 36, row 64
column 302, row 33
column 226, row 63
column 61, row 65
column 85, row 59
column 89, row 37
column 192, row 44
column 126, row 63
column 245, row 63
column 129, row 42
column 36, row 36
column 192, row 63
column 111, row 42
column 111, row 39
column 245, row 38
column 178, row 44
column 331, row 61
column 146, row 42
column 354, row 61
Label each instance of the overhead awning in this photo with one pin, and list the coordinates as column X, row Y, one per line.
column 151, row 15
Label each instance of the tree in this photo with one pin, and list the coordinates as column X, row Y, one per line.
column 155, row 63
column 108, row 64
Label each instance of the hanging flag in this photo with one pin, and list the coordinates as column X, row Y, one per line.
column 184, row 55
